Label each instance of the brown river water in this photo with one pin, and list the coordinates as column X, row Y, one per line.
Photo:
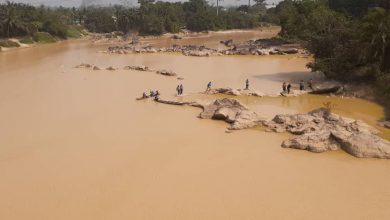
column 74, row 143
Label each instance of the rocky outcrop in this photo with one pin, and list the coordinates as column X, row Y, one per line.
column 227, row 43
column 138, row 68
column 111, row 68
column 327, row 87
column 317, row 131
column 229, row 110
column 320, row 131
column 247, row 48
column 84, row 65
column 166, row 72
column 176, row 37
column 235, row 92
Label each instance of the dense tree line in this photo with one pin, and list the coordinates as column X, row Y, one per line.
column 24, row 20
column 160, row 17
column 350, row 39
column 149, row 18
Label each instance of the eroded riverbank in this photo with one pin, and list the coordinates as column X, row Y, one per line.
column 75, row 144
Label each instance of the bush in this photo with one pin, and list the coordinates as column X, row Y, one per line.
column 55, row 28
column 27, row 40
column 44, row 37
column 74, row 32
column 8, row 43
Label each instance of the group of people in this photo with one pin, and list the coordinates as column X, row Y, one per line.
column 287, row 87
column 179, row 89
column 152, row 94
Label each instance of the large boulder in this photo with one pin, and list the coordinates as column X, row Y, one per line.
column 320, row 131
column 166, row 72
column 233, row 112
column 314, row 142
column 363, row 144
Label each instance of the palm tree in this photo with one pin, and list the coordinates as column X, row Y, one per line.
column 11, row 20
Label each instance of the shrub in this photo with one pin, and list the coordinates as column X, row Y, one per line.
column 27, row 40
column 44, row 37
column 74, row 32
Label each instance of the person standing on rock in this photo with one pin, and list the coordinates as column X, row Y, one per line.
column 208, row 86
column 288, row 88
column 284, row 87
column 181, row 89
column 310, row 84
column 178, row 89
column 247, row 84
column 301, row 85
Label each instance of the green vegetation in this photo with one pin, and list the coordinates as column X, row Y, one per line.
column 74, row 32
column 155, row 18
column 8, row 43
column 19, row 20
column 350, row 39
column 27, row 40
column 44, row 37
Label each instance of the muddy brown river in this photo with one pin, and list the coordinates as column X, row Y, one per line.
column 74, row 143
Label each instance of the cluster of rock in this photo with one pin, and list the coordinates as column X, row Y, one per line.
column 317, row 131
column 137, row 68
column 321, row 88
column 320, row 131
column 248, row 48
column 88, row 66
column 112, row 37
column 229, row 110
column 233, row 112
column 187, row 50
column 235, row 92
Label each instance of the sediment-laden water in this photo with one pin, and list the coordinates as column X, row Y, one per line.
column 75, row 144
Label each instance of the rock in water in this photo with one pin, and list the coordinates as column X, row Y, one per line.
column 320, row 131
column 233, row 112
column 139, row 68
column 111, row 68
column 386, row 124
column 235, row 92
column 84, row 65
column 166, row 72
